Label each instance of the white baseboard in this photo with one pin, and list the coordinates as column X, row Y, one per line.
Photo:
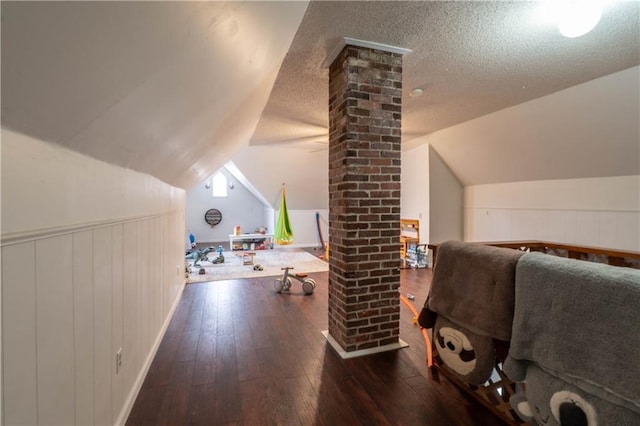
column 354, row 354
column 301, row 245
column 275, row 246
column 133, row 394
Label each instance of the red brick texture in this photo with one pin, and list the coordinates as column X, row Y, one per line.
column 365, row 95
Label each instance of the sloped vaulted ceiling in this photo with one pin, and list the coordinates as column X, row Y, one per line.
column 172, row 89
column 176, row 89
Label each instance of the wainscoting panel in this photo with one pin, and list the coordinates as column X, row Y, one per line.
column 83, row 325
column 55, row 331
column 130, row 356
column 628, row 229
column 19, row 334
column 117, row 263
column 588, row 228
column 556, row 224
column 70, row 302
column 171, row 254
column 570, row 227
column 143, row 290
column 608, row 229
column 102, row 323
column 155, row 282
column 607, row 224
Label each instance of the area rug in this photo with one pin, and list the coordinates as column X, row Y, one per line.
column 270, row 260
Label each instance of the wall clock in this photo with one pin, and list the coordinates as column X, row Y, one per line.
column 213, row 217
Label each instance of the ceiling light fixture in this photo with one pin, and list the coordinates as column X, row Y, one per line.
column 581, row 19
column 416, row 92
column 574, row 18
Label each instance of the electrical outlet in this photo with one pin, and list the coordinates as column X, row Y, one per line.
column 118, row 360
column 178, row 270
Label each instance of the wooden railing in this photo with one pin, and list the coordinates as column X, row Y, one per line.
column 630, row 259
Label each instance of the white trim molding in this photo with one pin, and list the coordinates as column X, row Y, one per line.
column 348, row 41
column 38, row 234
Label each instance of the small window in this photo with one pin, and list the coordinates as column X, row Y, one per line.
column 219, row 185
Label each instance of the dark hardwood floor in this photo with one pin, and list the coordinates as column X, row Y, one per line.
column 237, row 353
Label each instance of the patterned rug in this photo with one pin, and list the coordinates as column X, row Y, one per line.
column 270, row 260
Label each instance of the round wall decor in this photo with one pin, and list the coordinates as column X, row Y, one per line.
column 213, row 217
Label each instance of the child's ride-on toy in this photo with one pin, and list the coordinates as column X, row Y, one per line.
column 284, row 283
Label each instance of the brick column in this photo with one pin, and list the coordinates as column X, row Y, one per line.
column 365, row 95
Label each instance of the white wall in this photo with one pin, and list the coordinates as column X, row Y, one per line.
column 92, row 261
column 446, row 198
column 589, row 130
column 603, row 212
column 432, row 194
column 414, row 197
column 243, row 208
column 240, row 207
column 305, row 174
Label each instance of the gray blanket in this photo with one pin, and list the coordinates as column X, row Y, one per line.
column 579, row 321
column 473, row 286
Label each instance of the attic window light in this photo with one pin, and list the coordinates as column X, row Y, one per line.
column 219, row 185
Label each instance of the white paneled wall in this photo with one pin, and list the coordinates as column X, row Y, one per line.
column 117, row 280
column 19, row 335
column 602, row 212
column 70, row 302
column 83, row 325
column 54, row 329
column 610, row 229
column 92, row 261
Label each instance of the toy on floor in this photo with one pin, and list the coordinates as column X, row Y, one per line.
column 247, row 258
column 220, row 258
column 199, row 255
column 284, row 283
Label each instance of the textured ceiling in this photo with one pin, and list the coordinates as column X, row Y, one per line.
column 470, row 58
column 176, row 89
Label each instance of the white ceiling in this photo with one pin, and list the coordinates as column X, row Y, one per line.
column 175, row 89
column 172, row 89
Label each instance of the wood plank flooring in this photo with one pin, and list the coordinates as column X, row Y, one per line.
column 237, row 353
